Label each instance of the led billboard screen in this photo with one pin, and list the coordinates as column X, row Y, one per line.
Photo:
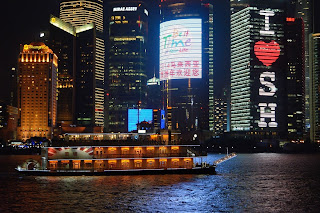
column 267, row 51
column 163, row 120
column 181, row 49
column 135, row 117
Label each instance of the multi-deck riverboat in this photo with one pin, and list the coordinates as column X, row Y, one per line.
column 109, row 157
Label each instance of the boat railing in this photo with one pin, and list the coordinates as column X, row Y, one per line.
column 119, row 142
column 101, row 169
column 111, row 156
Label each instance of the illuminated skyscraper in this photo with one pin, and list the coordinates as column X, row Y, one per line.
column 258, row 70
column 82, row 12
column 304, row 10
column 154, row 93
column 62, row 42
column 314, row 87
column 81, row 79
column 37, row 91
column 186, row 64
column 236, row 5
column 220, row 116
column 295, row 86
column 86, row 18
column 13, row 87
column 127, row 57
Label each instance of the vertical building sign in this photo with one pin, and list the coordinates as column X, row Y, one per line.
column 181, row 49
column 267, row 52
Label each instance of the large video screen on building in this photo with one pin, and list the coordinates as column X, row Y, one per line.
column 136, row 116
column 181, row 49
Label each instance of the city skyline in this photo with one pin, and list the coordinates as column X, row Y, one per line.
column 160, row 106
column 19, row 32
column 81, row 113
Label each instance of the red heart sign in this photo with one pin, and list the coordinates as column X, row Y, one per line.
column 267, row 53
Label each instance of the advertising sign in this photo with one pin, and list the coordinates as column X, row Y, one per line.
column 181, row 49
column 122, row 9
column 267, row 52
column 136, row 116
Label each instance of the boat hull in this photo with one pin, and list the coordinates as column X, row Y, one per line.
column 206, row 170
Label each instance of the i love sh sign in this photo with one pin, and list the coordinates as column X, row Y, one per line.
column 267, row 53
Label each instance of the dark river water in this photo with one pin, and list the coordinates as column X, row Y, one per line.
column 248, row 183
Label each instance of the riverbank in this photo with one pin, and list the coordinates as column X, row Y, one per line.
column 260, row 147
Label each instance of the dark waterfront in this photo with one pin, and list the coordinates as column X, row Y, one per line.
column 263, row 182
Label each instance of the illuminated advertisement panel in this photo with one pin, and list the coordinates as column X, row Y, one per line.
column 267, row 51
column 163, row 120
column 181, row 49
column 135, row 117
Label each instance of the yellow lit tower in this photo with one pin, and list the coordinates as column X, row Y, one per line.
column 37, row 91
column 81, row 12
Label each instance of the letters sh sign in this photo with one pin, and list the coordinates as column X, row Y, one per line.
column 267, row 53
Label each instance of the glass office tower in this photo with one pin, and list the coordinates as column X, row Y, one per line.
column 258, row 70
column 127, row 57
column 314, row 87
column 294, row 51
column 86, row 18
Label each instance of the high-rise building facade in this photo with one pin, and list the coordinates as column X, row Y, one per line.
column 236, row 5
column 37, row 91
column 154, row 93
column 220, row 116
column 295, row 78
column 81, row 12
column 304, row 10
column 13, row 87
column 3, row 117
column 186, row 64
column 258, row 69
column 314, row 87
column 8, row 122
column 127, row 57
column 60, row 37
column 86, row 18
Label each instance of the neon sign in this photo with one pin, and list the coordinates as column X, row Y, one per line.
column 267, row 53
column 181, row 49
column 120, row 9
column 267, row 111
column 266, row 31
column 31, row 47
column 270, row 89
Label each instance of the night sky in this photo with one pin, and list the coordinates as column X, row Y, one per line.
column 23, row 20
column 21, row 23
